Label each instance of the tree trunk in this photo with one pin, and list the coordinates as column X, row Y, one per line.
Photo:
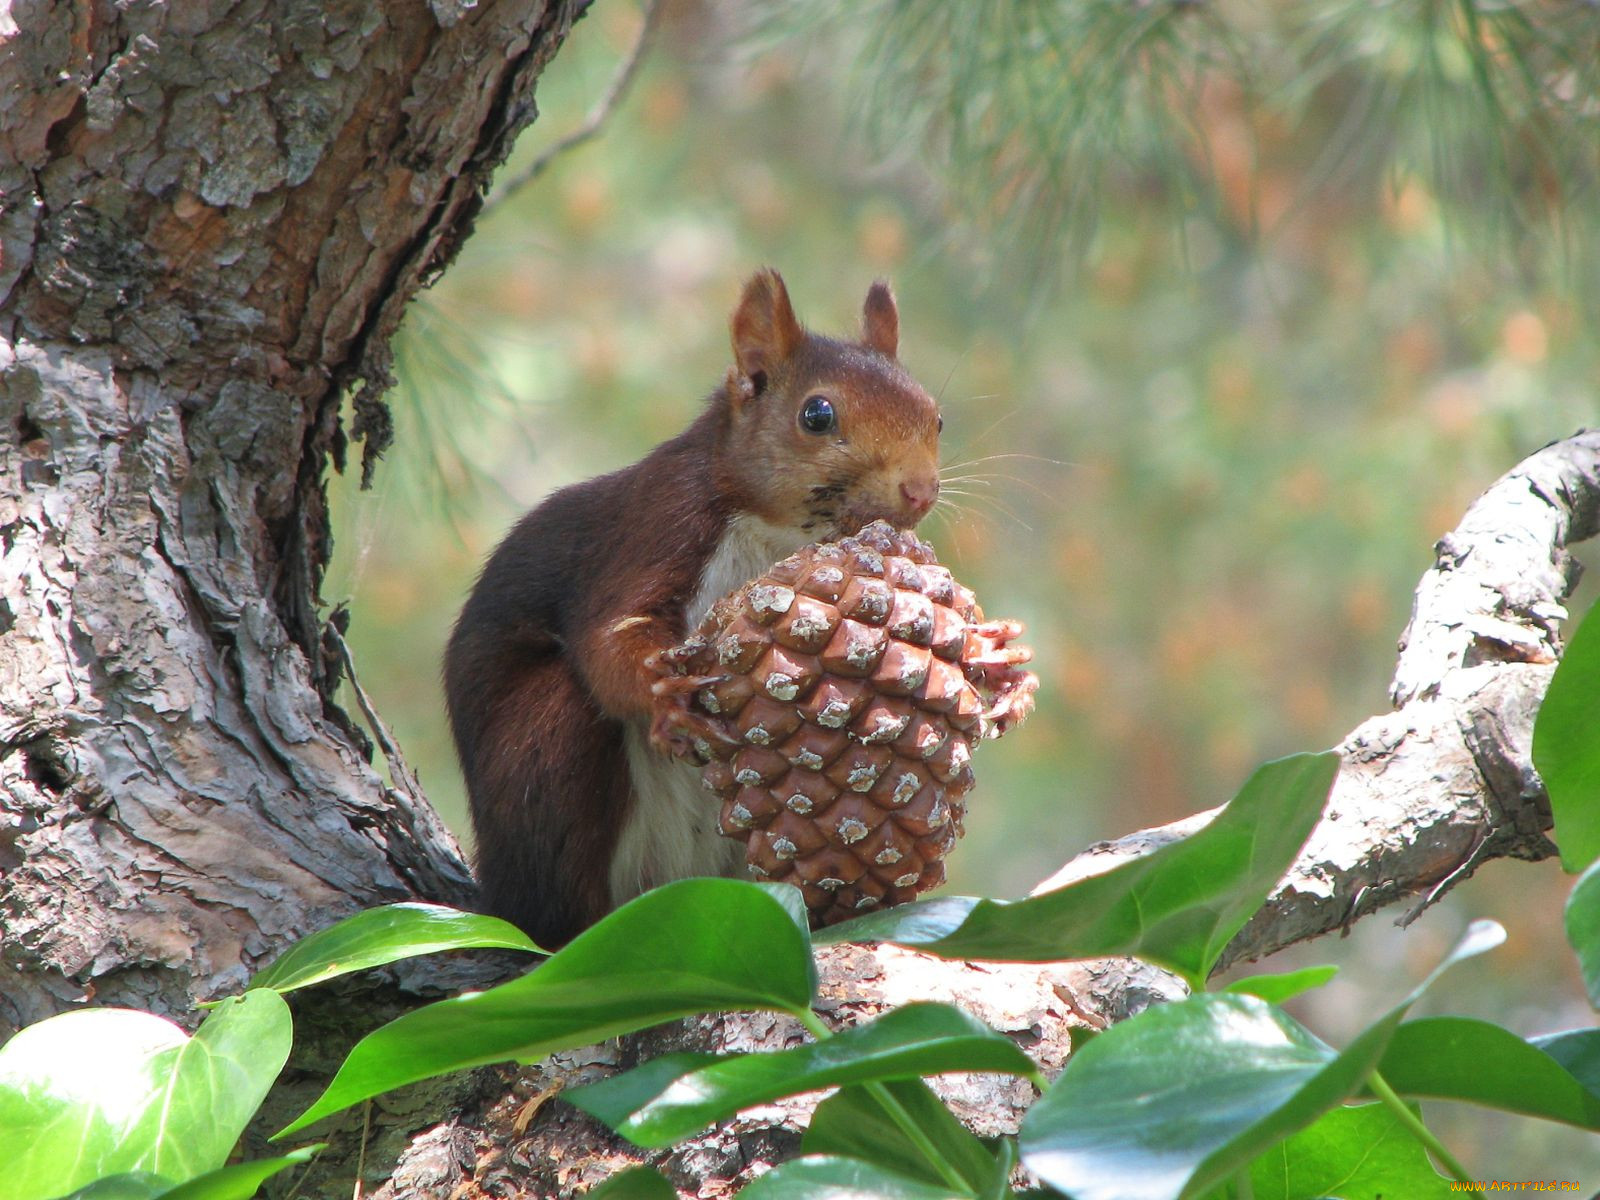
column 213, row 218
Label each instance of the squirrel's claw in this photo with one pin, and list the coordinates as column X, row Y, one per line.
column 678, row 728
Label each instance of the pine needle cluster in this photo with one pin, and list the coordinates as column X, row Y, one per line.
column 1040, row 115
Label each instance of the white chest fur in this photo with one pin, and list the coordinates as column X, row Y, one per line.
column 748, row 547
column 671, row 832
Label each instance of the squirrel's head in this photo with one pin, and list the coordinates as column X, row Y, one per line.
column 830, row 434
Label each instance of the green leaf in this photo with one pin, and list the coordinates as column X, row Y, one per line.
column 1459, row 1058
column 999, row 1184
column 1184, row 1093
column 100, row 1092
column 385, row 935
column 135, row 1185
column 1278, row 988
column 1583, row 929
column 1178, row 907
column 793, row 901
column 855, row 1123
column 1354, row 1153
column 924, row 924
column 1566, row 746
column 1578, row 1052
column 698, row 945
column 222, row 1075
column 1180, row 1097
column 240, row 1181
column 638, row 1183
column 74, row 1091
column 830, row 1178
column 657, row 1105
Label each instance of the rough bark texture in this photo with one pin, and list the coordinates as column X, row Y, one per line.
column 213, row 216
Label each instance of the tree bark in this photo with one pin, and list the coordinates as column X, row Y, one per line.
column 213, row 218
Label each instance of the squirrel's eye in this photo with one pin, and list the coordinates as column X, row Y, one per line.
column 939, row 428
column 817, row 416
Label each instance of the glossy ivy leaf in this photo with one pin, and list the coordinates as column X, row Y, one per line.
column 384, row 935
column 1583, row 929
column 1578, row 1052
column 793, row 901
column 1566, row 746
column 135, row 1185
column 670, row 1098
column 1354, row 1153
column 1459, row 1058
column 1179, row 906
column 856, row 1122
column 1176, row 1100
column 925, row 924
column 99, row 1092
column 242, row 1180
column 74, row 1091
column 638, row 1183
column 238, row 1182
column 831, row 1178
column 220, row 1079
column 698, row 945
column 999, row 1185
column 1277, row 988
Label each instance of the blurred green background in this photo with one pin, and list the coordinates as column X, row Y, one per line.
column 1215, row 431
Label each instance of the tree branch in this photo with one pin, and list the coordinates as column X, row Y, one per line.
column 1446, row 782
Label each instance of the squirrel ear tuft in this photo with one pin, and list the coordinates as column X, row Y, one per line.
column 880, row 320
column 763, row 326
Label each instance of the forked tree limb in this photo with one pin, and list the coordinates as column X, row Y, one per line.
column 1430, row 791
column 1425, row 795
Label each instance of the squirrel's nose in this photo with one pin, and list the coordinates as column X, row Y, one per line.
column 919, row 494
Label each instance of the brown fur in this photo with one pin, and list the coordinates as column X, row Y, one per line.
column 546, row 662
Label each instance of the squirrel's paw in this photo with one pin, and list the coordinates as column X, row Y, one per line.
column 677, row 727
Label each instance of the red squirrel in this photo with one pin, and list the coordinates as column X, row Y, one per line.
column 573, row 750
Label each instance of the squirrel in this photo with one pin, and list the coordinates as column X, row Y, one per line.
column 576, row 753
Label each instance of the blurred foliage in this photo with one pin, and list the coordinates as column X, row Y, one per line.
column 1284, row 353
column 1243, row 113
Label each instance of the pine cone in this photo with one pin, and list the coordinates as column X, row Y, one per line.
column 855, row 677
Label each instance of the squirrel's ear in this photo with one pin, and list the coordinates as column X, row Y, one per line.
column 763, row 327
column 880, row 320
